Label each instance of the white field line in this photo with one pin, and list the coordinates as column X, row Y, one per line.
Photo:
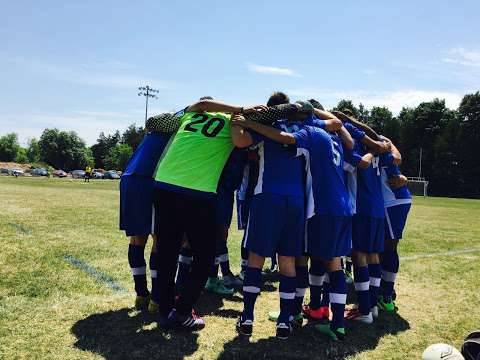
column 446, row 253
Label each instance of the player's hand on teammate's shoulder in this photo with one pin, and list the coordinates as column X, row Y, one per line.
column 398, row 181
column 255, row 108
column 239, row 120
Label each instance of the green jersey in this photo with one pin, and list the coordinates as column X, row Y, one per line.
column 198, row 152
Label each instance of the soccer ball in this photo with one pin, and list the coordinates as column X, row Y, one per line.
column 441, row 351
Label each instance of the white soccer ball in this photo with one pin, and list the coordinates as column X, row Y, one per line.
column 441, row 352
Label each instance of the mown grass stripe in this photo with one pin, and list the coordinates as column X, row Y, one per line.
column 20, row 228
column 98, row 275
column 439, row 254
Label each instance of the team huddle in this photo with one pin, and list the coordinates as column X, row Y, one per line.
column 315, row 191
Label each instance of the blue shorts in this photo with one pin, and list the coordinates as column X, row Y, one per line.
column 276, row 225
column 367, row 234
column 136, row 205
column 224, row 208
column 328, row 236
column 243, row 208
column 395, row 219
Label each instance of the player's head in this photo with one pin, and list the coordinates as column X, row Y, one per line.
column 206, row 98
column 278, row 98
column 316, row 104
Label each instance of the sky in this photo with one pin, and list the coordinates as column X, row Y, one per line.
column 76, row 65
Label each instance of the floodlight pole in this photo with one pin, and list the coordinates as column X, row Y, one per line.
column 147, row 92
column 420, row 167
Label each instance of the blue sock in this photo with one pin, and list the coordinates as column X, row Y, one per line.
column 224, row 260
column 286, row 289
column 214, row 268
column 153, row 274
column 362, row 288
column 390, row 265
column 375, row 272
column 326, row 291
column 244, row 263
column 338, row 298
column 251, row 289
column 274, row 262
column 302, row 285
column 316, row 277
column 138, row 266
column 184, row 263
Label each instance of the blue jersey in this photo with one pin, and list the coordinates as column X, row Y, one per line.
column 146, row 156
column 369, row 187
column 392, row 197
column 232, row 174
column 326, row 189
column 355, row 132
column 280, row 170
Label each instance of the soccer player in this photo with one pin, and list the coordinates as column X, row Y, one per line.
column 186, row 182
column 275, row 225
column 397, row 202
column 136, row 214
column 88, row 174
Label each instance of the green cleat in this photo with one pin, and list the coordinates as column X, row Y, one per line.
column 141, row 302
column 335, row 335
column 297, row 319
column 153, row 307
column 386, row 306
column 216, row 286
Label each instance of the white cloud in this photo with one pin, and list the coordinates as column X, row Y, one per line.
column 394, row 100
column 461, row 56
column 273, row 70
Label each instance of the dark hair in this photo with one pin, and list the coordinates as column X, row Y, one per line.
column 206, row 98
column 316, row 104
column 278, row 98
column 347, row 111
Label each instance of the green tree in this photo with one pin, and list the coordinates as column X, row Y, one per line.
column 133, row 136
column 103, row 146
column 118, row 156
column 64, row 150
column 9, row 147
column 21, row 157
column 348, row 104
column 379, row 116
column 33, row 150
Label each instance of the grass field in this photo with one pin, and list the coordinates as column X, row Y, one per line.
column 66, row 291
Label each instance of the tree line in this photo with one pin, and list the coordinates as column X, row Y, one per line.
column 447, row 139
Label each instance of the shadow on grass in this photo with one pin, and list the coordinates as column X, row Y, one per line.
column 128, row 334
column 307, row 343
column 212, row 304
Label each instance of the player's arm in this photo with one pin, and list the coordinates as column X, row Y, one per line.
column 218, row 106
column 267, row 131
column 398, row 181
column 347, row 139
column 364, row 127
column 366, row 160
column 375, row 146
column 282, row 111
column 240, row 137
column 332, row 123
column 397, row 156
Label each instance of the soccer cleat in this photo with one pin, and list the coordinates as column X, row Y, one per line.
column 386, row 306
column 348, row 277
column 152, row 307
column 335, row 335
column 357, row 316
column 296, row 320
column 189, row 322
column 374, row 311
column 321, row 313
column 244, row 328
column 232, row 281
column 284, row 331
column 142, row 302
column 211, row 284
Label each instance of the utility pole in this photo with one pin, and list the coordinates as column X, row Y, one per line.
column 420, row 167
column 147, row 92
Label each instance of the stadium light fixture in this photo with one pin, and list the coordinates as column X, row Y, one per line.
column 148, row 92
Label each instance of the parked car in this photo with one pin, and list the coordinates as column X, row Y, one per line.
column 17, row 172
column 39, row 172
column 78, row 174
column 5, row 171
column 112, row 174
column 59, row 173
column 98, row 175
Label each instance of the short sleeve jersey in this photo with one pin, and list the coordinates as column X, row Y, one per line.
column 145, row 158
column 392, row 197
column 198, row 152
column 325, row 183
column 280, row 170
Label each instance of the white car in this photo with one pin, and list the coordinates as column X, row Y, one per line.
column 17, row 172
